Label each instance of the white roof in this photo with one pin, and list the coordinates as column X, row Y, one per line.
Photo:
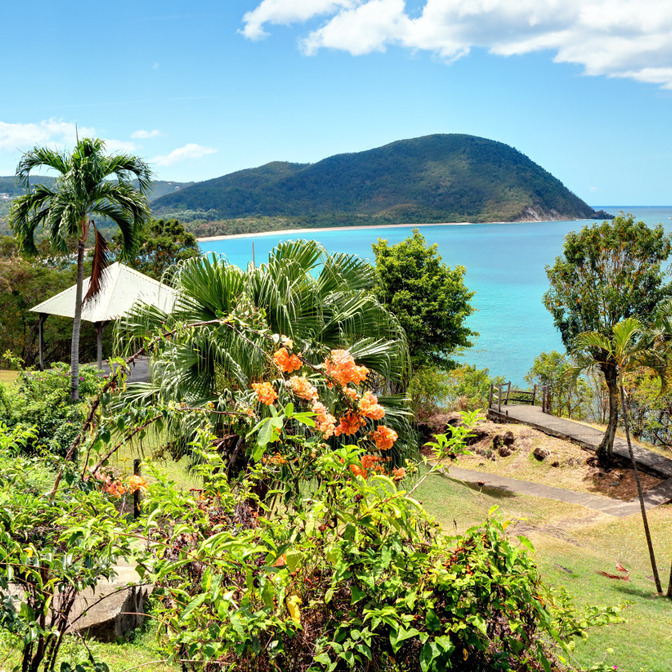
column 122, row 287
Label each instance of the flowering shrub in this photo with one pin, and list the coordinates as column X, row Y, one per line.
column 319, row 559
column 357, row 576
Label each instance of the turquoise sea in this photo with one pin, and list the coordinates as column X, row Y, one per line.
column 505, row 267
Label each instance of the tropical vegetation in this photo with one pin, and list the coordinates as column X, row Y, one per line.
column 608, row 272
column 82, row 189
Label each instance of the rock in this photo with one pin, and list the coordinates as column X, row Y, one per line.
column 571, row 462
column 114, row 609
column 555, row 464
column 504, row 451
column 508, row 438
column 540, row 454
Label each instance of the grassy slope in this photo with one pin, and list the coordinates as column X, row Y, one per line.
column 8, row 376
column 583, row 542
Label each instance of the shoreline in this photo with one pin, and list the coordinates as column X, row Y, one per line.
column 233, row 236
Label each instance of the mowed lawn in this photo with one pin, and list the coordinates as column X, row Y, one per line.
column 572, row 545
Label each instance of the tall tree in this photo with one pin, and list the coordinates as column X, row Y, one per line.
column 89, row 182
column 608, row 272
column 627, row 347
column 429, row 299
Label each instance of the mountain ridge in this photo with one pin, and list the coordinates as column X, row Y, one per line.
column 436, row 178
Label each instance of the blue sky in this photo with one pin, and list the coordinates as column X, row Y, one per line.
column 201, row 88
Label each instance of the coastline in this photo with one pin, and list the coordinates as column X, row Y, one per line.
column 283, row 232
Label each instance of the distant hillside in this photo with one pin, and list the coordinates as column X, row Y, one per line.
column 9, row 188
column 437, row 178
column 160, row 188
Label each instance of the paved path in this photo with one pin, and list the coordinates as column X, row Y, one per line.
column 647, row 460
column 655, row 496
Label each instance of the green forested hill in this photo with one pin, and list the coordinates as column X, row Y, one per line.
column 430, row 179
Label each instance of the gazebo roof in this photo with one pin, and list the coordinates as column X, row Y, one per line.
column 122, row 287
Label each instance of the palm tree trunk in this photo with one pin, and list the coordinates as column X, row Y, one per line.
column 640, row 493
column 77, row 323
column 605, row 451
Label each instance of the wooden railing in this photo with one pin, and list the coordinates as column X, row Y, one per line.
column 504, row 395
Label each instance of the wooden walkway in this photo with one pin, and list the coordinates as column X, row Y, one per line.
column 588, row 437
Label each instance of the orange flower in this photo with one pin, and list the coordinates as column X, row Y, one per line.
column 358, row 471
column 384, row 437
column 136, row 483
column 369, row 461
column 398, row 473
column 275, row 459
column 349, row 424
column 265, row 393
column 325, row 422
column 302, row 388
column 369, row 406
column 286, row 362
column 341, row 366
column 116, row 489
column 350, row 393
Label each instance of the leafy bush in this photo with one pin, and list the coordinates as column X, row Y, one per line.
column 51, row 549
column 41, row 399
column 354, row 576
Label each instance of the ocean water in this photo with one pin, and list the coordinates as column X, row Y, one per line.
column 505, row 266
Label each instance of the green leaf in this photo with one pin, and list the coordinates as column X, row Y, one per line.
column 196, row 602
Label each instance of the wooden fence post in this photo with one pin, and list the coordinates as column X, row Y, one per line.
column 137, row 494
column 492, row 387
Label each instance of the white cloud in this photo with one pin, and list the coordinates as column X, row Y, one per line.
column 615, row 38
column 23, row 137
column 286, row 12
column 143, row 135
column 188, row 152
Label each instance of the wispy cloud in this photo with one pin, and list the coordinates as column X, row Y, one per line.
column 615, row 38
column 144, row 135
column 188, row 152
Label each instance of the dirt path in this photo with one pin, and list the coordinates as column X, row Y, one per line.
column 654, row 497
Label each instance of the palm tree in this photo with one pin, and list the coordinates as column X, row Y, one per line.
column 320, row 301
column 89, row 182
column 630, row 346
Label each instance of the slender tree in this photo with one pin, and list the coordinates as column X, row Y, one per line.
column 608, row 272
column 627, row 347
column 89, row 182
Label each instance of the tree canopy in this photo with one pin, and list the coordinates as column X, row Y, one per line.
column 161, row 245
column 429, row 299
column 608, row 272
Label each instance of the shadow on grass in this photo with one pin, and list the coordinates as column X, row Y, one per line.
column 498, row 492
column 640, row 593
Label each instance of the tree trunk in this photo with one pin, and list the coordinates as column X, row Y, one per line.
column 640, row 494
column 605, row 451
column 77, row 323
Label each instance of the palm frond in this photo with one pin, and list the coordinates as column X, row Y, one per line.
column 101, row 260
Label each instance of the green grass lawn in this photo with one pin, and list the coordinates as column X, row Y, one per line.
column 582, row 542
column 8, row 376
